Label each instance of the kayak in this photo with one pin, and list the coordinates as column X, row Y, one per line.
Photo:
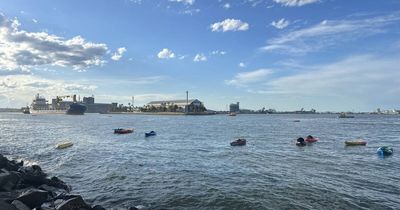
column 122, row 131
column 151, row 133
column 64, row 145
column 311, row 140
column 385, row 151
column 355, row 143
column 239, row 142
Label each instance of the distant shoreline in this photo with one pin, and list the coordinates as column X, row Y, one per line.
column 162, row 113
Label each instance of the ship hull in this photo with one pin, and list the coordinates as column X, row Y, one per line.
column 76, row 109
column 46, row 111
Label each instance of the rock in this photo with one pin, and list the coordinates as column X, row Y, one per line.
column 64, row 196
column 33, row 198
column 3, row 161
column 20, row 206
column 98, row 207
column 9, row 165
column 8, row 196
column 74, row 203
column 133, row 208
column 53, row 191
column 9, row 180
column 33, row 175
column 58, row 183
column 6, row 206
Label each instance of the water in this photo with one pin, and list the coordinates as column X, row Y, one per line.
column 190, row 165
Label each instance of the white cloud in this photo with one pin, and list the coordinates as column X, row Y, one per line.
column 118, row 55
column 230, row 25
column 328, row 33
column 367, row 79
column 244, row 78
column 295, row 3
column 23, row 50
column 166, row 54
column 190, row 11
column 280, row 24
column 242, row 65
column 34, row 20
column 226, row 6
column 186, row 2
column 18, row 90
column 218, row 52
column 199, row 57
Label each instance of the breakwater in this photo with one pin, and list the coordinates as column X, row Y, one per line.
column 29, row 187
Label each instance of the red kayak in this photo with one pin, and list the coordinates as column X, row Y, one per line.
column 122, row 131
column 311, row 140
column 239, row 142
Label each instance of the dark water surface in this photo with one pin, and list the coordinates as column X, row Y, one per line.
column 190, row 165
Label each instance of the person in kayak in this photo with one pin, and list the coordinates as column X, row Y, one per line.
column 300, row 140
column 310, row 137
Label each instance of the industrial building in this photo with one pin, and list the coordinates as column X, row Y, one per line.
column 190, row 105
column 93, row 107
column 234, row 108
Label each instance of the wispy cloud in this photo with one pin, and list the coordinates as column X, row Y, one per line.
column 218, row 52
column 371, row 80
column 199, row 57
column 23, row 50
column 226, row 6
column 190, row 11
column 186, row 2
column 19, row 89
column 118, row 55
column 242, row 65
column 280, row 24
column 295, row 3
column 244, row 78
column 230, row 25
column 329, row 33
column 166, row 54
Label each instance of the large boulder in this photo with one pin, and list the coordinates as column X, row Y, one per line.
column 33, row 198
column 3, row 161
column 58, row 183
column 76, row 203
column 33, row 175
column 98, row 207
column 9, row 180
column 19, row 205
column 10, row 165
column 6, row 206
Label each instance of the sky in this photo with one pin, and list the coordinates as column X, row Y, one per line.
column 330, row 55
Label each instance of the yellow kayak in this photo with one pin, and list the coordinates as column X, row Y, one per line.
column 356, row 143
column 64, row 145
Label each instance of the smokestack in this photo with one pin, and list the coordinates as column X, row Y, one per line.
column 187, row 101
column 187, row 97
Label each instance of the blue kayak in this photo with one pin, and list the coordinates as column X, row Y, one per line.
column 151, row 133
column 384, row 151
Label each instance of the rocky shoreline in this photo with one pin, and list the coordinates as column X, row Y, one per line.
column 28, row 187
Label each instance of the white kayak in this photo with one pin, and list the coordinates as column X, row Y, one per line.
column 64, row 145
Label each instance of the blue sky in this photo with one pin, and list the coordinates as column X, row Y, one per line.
column 283, row 54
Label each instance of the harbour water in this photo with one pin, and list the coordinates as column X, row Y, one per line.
column 190, row 164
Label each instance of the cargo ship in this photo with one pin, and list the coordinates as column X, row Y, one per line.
column 58, row 106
